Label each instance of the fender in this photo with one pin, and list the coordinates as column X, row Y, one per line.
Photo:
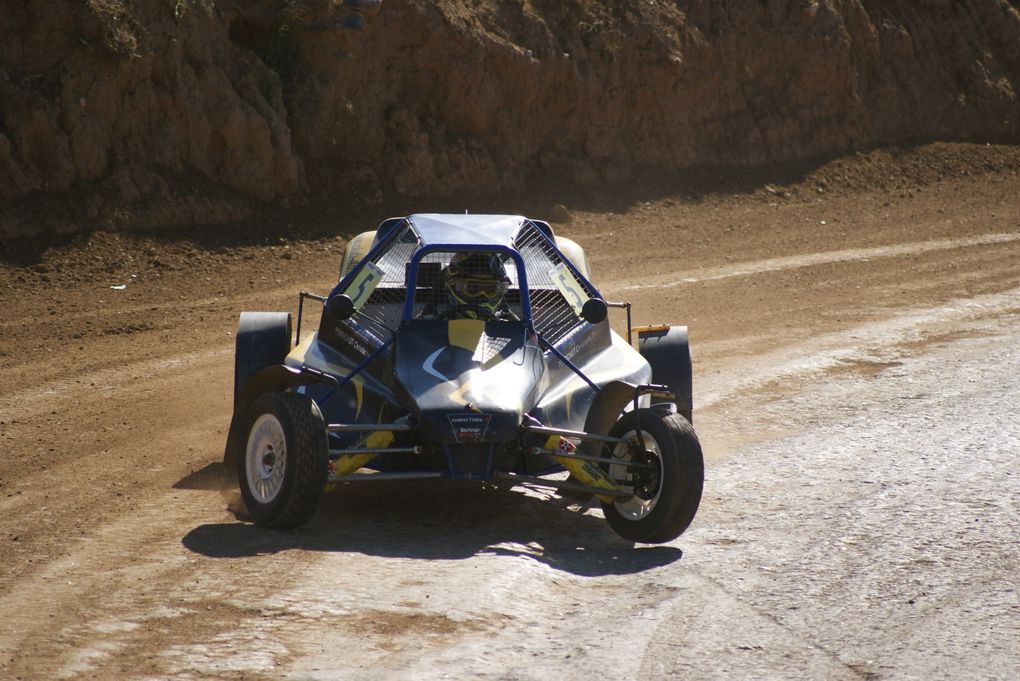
column 668, row 351
column 276, row 378
column 263, row 339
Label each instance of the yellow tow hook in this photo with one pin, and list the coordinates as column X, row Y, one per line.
column 584, row 471
column 348, row 463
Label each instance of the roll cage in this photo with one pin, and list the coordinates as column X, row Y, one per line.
column 400, row 278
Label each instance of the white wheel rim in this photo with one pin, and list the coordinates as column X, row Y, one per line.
column 635, row 508
column 265, row 458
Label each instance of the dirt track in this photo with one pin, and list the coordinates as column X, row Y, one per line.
column 122, row 558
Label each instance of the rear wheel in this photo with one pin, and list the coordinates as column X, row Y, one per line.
column 285, row 465
column 667, row 479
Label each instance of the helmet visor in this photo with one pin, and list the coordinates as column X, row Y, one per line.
column 479, row 288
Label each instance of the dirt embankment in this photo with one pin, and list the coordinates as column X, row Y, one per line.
column 154, row 113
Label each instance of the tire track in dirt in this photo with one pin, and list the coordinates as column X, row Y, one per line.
column 746, row 269
column 277, row 296
column 874, row 342
column 126, row 575
column 106, row 383
column 102, row 356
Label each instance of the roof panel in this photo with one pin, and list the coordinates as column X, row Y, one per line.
column 454, row 228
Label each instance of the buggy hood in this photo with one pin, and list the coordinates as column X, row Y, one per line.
column 469, row 380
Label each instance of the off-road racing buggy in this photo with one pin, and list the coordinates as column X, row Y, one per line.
column 466, row 347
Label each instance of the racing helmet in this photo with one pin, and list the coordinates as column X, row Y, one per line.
column 476, row 279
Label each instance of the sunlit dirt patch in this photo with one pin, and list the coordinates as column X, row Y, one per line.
column 863, row 367
column 392, row 630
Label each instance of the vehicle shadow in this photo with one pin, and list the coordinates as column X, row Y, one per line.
column 442, row 520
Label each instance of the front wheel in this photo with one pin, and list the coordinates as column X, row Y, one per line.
column 285, row 465
column 667, row 476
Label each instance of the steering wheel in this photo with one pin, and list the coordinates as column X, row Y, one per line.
column 459, row 312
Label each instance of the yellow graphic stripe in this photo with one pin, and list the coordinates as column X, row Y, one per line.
column 465, row 333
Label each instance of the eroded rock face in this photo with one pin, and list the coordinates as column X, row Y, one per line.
column 149, row 113
column 118, row 104
column 438, row 97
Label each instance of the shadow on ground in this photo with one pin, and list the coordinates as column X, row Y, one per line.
column 442, row 520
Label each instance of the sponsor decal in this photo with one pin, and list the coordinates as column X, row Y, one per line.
column 341, row 332
column 564, row 446
column 469, row 427
column 579, row 346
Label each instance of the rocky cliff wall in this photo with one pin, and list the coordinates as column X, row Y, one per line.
column 154, row 113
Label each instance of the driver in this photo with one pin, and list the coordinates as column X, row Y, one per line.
column 475, row 286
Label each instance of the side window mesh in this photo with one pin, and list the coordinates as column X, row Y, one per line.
column 554, row 317
column 382, row 311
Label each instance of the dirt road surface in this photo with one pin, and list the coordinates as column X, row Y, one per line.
column 856, row 382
